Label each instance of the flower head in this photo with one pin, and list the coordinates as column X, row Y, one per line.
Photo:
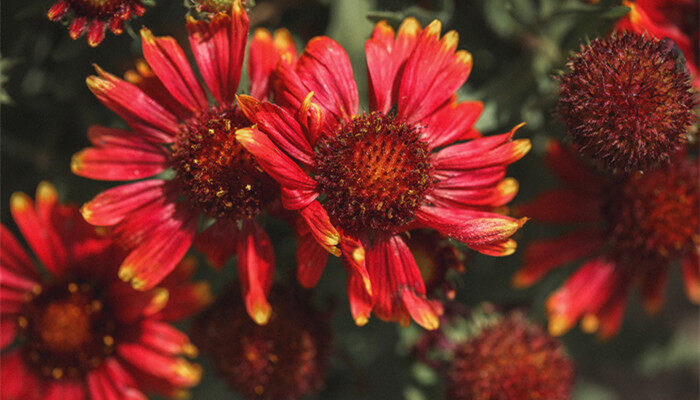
column 666, row 19
column 626, row 103
column 510, row 358
column 82, row 332
column 361, row 180
column 629, row 230
column 95, row 16
column 286, row 359
column 174, row 127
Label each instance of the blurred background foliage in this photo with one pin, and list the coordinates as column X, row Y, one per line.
column 518, row 48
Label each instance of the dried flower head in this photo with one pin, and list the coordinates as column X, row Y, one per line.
column 626, row 102
column 286, row 359
column 510, row 359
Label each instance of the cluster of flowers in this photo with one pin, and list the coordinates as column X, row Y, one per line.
column 382, row 189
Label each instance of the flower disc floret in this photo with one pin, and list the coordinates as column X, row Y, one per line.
column 375, row 171
column 215, row 172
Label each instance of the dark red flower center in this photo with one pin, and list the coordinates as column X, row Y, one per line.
column 216, row 174
column 655, row 215
column 97, row 8
column 67, row 330
column 374, row 172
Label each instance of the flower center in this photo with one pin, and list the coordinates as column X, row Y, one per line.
column 374, row 172
column 656, row 214
column 96, row 8
column 66, row 329
column 215, row 172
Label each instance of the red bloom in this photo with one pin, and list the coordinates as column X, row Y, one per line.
column 381, row 173
column 509, row 359
column 286, row 359
column 630, row 231
column 173, row 126
column 673, row 19
column 625, row 102
column 83, row 333
column 94, row 16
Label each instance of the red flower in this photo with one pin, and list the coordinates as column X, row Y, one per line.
column 173, row 126
column 381, row 173
column 629, row 231
column 285, row 359
column 510, row 358
column 94, row 16
column 83, row 333
column 673, row 19
column 625, row 103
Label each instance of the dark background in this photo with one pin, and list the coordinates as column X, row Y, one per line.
column 517, row 46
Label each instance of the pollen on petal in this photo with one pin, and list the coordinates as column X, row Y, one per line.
column 409, row 27
column 450, row 41
column 261, row 313
column 19, row 201
column 434, row 28
column 558, row 325
column 46, row 192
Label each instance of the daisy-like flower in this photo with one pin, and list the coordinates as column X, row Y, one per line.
column 82, row 332
column 285, row 359
column 630, row 231
column 673, row 19
column 175, row 128
column 95, row 16
column 362, row 179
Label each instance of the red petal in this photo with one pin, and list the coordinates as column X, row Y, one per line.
column 360, row 300
column 164, row 338
column 65, row 389
column 280, row 126
column 113, row 205
column 324, row 68
column 481, row 153
column 432, row 74
column 587, row 289
column 40, row 235
column 141, row 112
column 397, row 285
column 501, row 248
column 476, row 178
column 14, row 257
column 96, row 32
column 468, row 226
column 311, row 260
column 219, row 48
column 256, row 268
column 385, row 57
column 496, row 196
column 451, row 122
column 173, row 370
column 77, row 27
column 545, row 255
column 144, row 78
column 218, row 242
column 118, row 163
column 8, row 330
column 17, row 380
column 273, row 161
column 58, row 10
column 263, row 57
column 653, row 287
column 320, row 227
column 161, row 235
column 690, row 267
column 169, row 63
